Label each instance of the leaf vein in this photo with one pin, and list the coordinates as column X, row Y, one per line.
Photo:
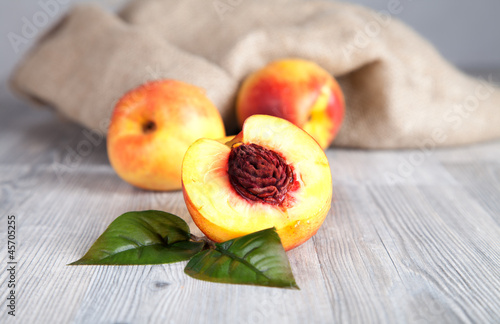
column 243, row 261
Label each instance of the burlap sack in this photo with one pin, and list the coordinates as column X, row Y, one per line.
column 399, row 91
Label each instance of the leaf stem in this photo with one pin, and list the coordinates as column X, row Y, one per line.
column 209, row 244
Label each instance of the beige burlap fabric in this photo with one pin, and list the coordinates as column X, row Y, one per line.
column 399, row 91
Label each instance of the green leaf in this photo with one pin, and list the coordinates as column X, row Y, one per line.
column 255, row 259
column 145, row 237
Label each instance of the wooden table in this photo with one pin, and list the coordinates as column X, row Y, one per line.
column 411, row 237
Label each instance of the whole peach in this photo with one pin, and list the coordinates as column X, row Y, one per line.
column 299, row 91
column 152, row 127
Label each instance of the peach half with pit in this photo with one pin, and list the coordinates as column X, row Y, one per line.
column 297, row 90
column 152, row 127
column 272, row 174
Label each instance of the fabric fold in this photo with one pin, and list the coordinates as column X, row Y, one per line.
column 400, row 93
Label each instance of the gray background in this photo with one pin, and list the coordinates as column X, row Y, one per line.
column 466, row 32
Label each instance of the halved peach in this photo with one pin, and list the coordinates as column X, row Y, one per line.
column 271, row 174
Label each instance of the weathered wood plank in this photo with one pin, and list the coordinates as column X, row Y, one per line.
column 481, row 181
column 424, row 248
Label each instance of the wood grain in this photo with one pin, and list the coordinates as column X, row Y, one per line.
column 423, row 249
